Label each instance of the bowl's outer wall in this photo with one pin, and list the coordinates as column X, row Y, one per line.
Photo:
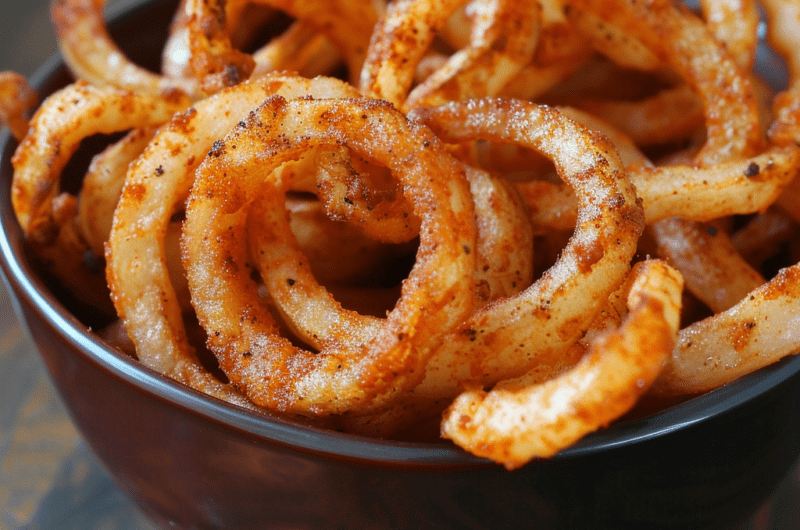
column 187, row 469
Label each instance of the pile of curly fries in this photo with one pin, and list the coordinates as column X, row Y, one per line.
column 519, row 217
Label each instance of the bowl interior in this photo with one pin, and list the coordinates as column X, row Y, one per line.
column 23, row 279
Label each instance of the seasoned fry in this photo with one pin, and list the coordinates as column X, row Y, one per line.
column 217, row 63
column 533, row 328
column 718, row 275
column 756, row 332
column 735, row 23
column 93, row 55
column 17, row 101
column 671, row 115
column 784, row 20
column 155, row 188
column 102, row 187
column 503, row 41
column 520, row 420
column 64, row 119
column 357, row 374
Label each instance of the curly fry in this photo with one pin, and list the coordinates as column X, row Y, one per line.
column 518, row 420
column 17, row 101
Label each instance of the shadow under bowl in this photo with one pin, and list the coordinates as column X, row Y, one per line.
column 190, row 461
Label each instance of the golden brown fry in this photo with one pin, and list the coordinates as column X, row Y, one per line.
column 533, row 328
column 359, row 375
column 784, row 36
column 102, row 186
column 323, row 241
column 347, row 23
column 696, row 194
column 519, row 419
column 94, row 57
column 17, row 102
column 64, row 119
column 307, row 307
column 671, row 115
column 301, row 49
column 684, row 42
column 717, row 275
column 758, row 331
column 503, row 40
column 352, row 191
column 504, row 243
column 735, row 23
column 216, row 61
column 732, row 124
column 739, row 186
column 156, row 187
column 613, row 38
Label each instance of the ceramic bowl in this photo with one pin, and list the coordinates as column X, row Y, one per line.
column 190, row 461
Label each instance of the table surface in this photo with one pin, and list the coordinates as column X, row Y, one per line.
column 49, row 478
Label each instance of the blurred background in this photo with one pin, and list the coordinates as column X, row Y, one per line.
column 26, row 35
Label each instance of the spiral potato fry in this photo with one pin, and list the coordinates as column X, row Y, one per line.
column 137, row 270
column 64, row 119
column 533, row 328
column 17, row 100
column 102, row 187
column 322, row 239
column 217, row 63
column 518, row 420
column 691, row 193
column 756, row 332
column 502, row 43
column 728, row 139
column 350, row 194
column 94, row 57
column 735, row 23
column 783, row 17
column 332, row 380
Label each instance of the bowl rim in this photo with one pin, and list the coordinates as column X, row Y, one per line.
column 21, row 281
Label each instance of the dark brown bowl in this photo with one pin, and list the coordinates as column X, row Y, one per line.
column 190, row 461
